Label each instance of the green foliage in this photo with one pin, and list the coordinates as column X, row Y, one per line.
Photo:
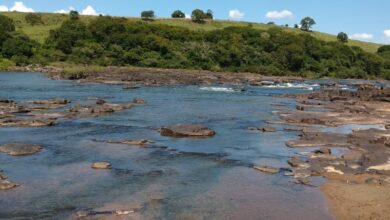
column 147, row 15
column 307, row 23
column 342, row 37
column 5, row 64
column 209, row 14
column 74, row 15
column 107, row 41
column 6, row 24
column 178, row 14
column 71, row 33
column 198, row 16
column 33, row 19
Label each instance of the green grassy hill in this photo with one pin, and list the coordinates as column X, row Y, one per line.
column 52, row 21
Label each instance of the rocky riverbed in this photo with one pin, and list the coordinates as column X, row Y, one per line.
column 253, row 146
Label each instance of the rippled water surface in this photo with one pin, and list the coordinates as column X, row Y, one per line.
column 174, row 178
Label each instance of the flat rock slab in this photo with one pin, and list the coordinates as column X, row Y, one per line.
column 131, row 142
column 267, row 169
column 6, row 185
column 20, row 149
column 183, row 130
column 101, row 165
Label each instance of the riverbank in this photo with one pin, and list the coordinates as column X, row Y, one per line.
column 137, row 76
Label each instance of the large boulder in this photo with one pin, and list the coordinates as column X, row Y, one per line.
column 187, row 130
column 6, row 185
column 20, row 149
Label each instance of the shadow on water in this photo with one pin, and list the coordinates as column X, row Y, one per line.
column 173, row 178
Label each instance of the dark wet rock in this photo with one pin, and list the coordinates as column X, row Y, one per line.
column 253, row 129
column 6, row 185
column 278, row 104
column 267, row 169
column 101, row 165
column 387, row 126
column 323, row 151
column 268, row 129
column 100, row 102
column 56, row 101
column 187, row 130
column 300, row 108
column 19, row 122
column 130, row 87
column 91, row 214
column 20, row 149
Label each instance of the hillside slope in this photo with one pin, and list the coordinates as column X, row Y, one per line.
column 52, row 21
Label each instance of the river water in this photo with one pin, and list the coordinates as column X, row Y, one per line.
column 175, row 178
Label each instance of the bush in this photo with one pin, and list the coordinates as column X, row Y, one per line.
column 33, row 19
column 6, row 24
column 5, row 64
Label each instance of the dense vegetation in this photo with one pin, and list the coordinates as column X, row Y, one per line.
column 108, row 41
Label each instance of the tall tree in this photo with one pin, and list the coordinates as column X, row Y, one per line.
column 209, row 14
column 178, row 14
column 342, row 37
column 198, row 16
column 147, row 15
column 307, row 23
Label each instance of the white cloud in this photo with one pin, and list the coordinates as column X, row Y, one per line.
column 236, row 14
column 387, row 33
column 89, row 10
column 19, row 6
column 362, row 36
column 3, row 8
column 63, row 11
column 279, row 14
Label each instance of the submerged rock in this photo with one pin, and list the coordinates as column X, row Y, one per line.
column 267, row 169
column 13, row 122
column 20, row 149
column 187, row 130
column 131, row 142
column 56, row 101
column 101, row 165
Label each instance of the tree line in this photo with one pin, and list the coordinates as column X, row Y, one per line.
column 110, row 41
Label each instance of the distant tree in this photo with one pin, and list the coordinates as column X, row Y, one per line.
column 6, row 24
column 33, row 19
column 147, row 15
column 342, row 37
column 209, row 14
column 307, row 23
column 286, row 25
column 198, row 16
column 74, row 15
column 271, row 23
column 296, row 26
column 178, row 14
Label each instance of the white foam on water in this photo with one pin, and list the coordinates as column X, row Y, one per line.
column 303, row 86
column 217, row 89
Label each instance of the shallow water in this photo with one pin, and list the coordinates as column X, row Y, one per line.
column 175, row 178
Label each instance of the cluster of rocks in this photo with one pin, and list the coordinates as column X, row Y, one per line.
column 41, row 113
column 367, row 151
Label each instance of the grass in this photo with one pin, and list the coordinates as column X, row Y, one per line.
column 52, row 21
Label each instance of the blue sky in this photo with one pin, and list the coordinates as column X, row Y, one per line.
column 361, row 19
